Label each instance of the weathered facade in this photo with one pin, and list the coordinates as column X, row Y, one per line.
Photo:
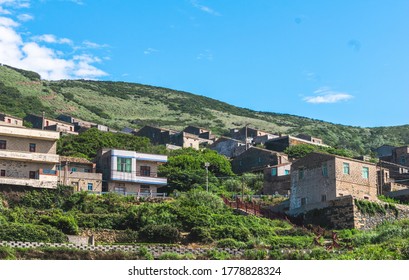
column 79, row 173
column 318, row 178
column 277, row 179
column 28, row 157
column 6, row 119
column 400, row 155
column 228, row 147
column 130, row 172
column 41, row 122
column 255, row 159
column 279, row 144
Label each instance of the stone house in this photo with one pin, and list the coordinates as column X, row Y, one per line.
column 310, row 138
column 384, row 151
column 79, row 173
column 251, row 135
column 228, row 147
column 277, row 179
column 279, row 144
column 255, row 159
column 319, row 177
column 400, row 155
column 130, row 172
column 6, row 119
column 41, row 122
column 28, row 157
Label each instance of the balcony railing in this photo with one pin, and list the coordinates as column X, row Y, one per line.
column 29, row 156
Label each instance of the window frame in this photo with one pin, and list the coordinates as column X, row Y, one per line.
column 365, row 172
column 346, row 169
column 3, row 144
column 32, row 147
column 124, row 164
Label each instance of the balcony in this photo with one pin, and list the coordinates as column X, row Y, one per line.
column 80, row 175
column 43, row 181
column 149, row 178
column 27, row 156
column 23, row 132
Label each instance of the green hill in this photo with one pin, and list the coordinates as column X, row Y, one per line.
column 120, row 104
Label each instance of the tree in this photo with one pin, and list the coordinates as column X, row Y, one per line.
column 185, row 168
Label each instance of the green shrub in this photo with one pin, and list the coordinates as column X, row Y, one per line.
column 230, row 243
column 255, row 254
column 64, row 222
column 300, row 242
column 144, row 253
column 200, row 234
column 159, row 234
column 31, row 233
column 176, row 256
column 237, row 233
column 7, row 253
column 217, row 255
column 108, row 221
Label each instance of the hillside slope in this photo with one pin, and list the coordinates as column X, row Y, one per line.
column 120, row 104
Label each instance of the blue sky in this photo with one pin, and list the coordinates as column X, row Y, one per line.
column 342, row 61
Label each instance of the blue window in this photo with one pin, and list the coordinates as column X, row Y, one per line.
column 274, row 171
column 90, row 186
column 346, row 168
column 286, row 172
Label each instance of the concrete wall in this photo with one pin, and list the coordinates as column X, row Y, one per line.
column 23, row 144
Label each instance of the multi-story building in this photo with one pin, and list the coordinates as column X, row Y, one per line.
column 279, row 144
column 130, row 172
column 255, row 159
column 42, row 122
column 79, row 173
column 6, row 119
column 277, row 179
column 317, row 178
column 28, row 157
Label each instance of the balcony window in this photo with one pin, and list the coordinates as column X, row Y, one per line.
column 346, row 168
column 124, row 164
column 3, row 144
column 3, row 173
column 146, row 171
column 32, row 147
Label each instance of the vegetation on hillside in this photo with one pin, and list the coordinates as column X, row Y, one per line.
column 88, row 143
column 119, row 104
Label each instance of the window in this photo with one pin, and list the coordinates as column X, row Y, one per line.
column 301, row 173
column 324, row 170
column 87, row 170
column 274, row 171
column 346, row 168
column 3, row 173
column 32, row 147
column 323, row 198
column 90, row 186
column 9, row 120
column 303, row 201
column 119, row 190
column 286, row 172
column 3, row 144
column 73, row 169
column 146, row 171
column 145, row 189
column 32, row 175
column 124, row 164
column 365, row 172
column 402, row 159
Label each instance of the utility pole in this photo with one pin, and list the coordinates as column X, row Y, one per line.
column 207, row 175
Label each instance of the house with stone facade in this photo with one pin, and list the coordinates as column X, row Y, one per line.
column 28, row 157
column 277, row 179
column 130, row 172
column 79, row 173
column 255, row 159
column 228, row 147
column 206, row 137
column 400, row 155
column 318, row 178
column 6, row 119
column 279, row 144
column 45, row 123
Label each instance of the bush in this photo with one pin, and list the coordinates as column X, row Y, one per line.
column 7, row 253
column 31, row 233
column 200, row 234
column 108, row 221
column 230, row 243
column 144, row 253
column 255, row 254
column 237, row 233
column 64, row 222
column 176, row 256
column 159, row 234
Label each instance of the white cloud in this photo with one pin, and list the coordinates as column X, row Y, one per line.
column 52, row 39
column 206, row 55
column 325, row 95
column 203, row 8
column 25, row 17
column 150, row 51
column 4, row 11
column 50, row 63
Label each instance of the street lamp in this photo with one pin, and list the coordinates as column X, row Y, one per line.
column 207, row 175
